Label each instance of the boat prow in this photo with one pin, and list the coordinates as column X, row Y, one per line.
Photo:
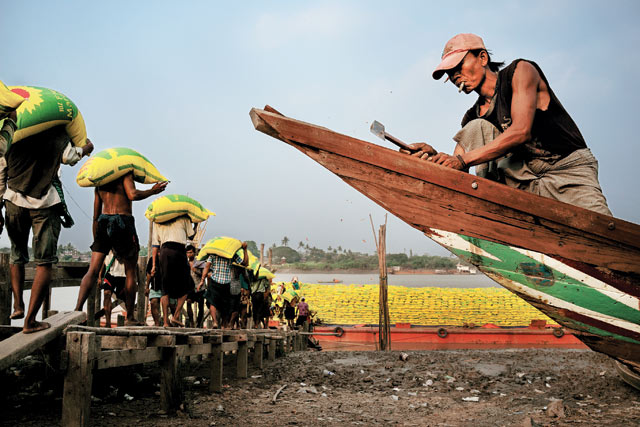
column 579, row 267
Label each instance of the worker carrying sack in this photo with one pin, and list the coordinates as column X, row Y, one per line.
column 113, row 163
column 225, row 247
column 171, row 206
column 45, row 108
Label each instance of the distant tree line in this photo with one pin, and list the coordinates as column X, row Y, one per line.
column 313, row 258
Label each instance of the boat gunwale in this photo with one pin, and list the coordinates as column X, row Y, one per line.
column 611, row 228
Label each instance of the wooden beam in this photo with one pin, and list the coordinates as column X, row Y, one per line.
column 161, row 341
column 217, row 359
column 272, row 348
column 195, row 339
column 115, row 358
column 242, row 360
column 258, row 350
column 123, row 343
column 21, row 345
column 170, row 390
column 76, row 399
column 229, row 346
column 460, row 202
column 194, row 349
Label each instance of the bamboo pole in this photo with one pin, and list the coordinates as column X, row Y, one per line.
column 384, row 327
column 261, row 253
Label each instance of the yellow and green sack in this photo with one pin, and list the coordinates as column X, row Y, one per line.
column 225, row 247
column 254, row 262
column 289, row 295
column 43, row 109
column 263, row 272
column 9, row 100
column 168, row 207
column 112, row 163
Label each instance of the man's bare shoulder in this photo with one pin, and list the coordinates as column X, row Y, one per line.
column 525, row 71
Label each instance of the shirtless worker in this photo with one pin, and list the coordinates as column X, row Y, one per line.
column 114, row 228
column 517, row 132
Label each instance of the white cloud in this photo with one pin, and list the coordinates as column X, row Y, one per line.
column 324, row 22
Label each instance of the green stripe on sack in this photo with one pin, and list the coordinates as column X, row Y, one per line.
column 183, row 211
column 141, row 169
column 102, row 177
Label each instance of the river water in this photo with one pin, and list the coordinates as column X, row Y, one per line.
column 408, row 280
column 64, row 299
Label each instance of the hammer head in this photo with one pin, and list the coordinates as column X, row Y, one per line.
column 377, row 129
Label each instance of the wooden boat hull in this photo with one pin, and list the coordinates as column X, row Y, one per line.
column 579, row 267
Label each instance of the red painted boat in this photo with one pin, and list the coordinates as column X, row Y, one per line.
column 405, row 337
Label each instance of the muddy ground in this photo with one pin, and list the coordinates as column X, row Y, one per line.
column 452, row 388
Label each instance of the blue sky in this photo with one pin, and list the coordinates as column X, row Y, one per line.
column 176, row 80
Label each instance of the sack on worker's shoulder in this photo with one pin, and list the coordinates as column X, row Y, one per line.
column 45, row 108
column 224, row 247
column 113, row 163
column 172, row 206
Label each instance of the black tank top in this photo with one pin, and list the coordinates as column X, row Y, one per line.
column 553, row 130
column 33, row 163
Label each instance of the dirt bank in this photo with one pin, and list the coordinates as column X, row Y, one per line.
column 455, row 388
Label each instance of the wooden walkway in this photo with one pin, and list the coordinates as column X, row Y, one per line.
column 20, row 345
column 88, row 349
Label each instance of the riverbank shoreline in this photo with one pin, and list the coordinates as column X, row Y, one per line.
column 293, row 271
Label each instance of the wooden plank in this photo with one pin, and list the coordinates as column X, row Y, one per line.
column 214, row 339
column 114, row 358
column 170, row 390
column 242, row 362
column 217, row 361
column 123, row 343
column 194, row 350
column 620, row 239
column 229, row 346
column 428, row 206
column 195, row 339
column 76, row 399
column 21, row 345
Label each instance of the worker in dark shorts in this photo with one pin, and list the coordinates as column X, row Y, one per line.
column 114, row 228
column 169, row 240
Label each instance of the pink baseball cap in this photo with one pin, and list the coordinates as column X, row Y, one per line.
column 455, row 50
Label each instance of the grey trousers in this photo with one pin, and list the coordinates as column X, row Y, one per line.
column 572, row 179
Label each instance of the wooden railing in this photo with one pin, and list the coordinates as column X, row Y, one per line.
column 65, row 274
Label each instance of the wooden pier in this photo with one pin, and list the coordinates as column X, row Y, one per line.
column 79, row 350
